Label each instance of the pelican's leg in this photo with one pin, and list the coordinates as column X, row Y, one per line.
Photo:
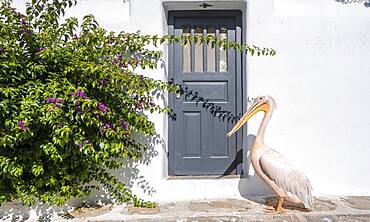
column 279, row 207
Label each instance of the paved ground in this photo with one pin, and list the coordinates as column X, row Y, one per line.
column 338, row 209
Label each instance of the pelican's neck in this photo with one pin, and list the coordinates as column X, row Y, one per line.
column 261, row 131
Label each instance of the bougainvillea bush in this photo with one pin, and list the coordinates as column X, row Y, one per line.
column 72, row 103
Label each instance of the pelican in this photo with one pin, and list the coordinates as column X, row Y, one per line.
column 286, row 181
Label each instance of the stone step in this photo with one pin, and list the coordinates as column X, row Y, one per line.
column 326, row 209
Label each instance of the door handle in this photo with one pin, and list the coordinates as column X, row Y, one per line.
column 178, row 95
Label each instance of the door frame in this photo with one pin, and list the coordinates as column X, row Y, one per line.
column 240, row 80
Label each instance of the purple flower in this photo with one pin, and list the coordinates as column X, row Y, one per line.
column 104, row 81
column 138, row 104
column 51, row 100
column 78, row 107
column 27, row 31
column 115, row 61
column 75, row 36
column 42, row 6
column 87, row 142
column 23, row 21
column 102, row 107
column 123, row 124
column 138, row 56
column 141, row 77
column 80, row 94
column 56, row 101
column 105, row 127
column 41, row 49
column 22, row 125
column 123, row 65
column 120, row 56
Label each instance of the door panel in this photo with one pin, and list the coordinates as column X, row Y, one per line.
column 199, row 143
column 191, row 134
column 214, row 91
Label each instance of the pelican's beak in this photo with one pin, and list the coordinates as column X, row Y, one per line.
column 255, row 108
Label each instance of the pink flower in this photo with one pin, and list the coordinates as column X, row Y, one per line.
column 22, row 125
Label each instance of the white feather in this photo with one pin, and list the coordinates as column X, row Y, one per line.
column 290, row 179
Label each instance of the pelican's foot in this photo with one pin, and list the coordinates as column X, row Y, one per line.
column 269, row 209
column 280, row 210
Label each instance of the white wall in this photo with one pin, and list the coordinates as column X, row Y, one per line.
column 319, row 80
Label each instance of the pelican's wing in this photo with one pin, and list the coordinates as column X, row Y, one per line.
column 290, row 179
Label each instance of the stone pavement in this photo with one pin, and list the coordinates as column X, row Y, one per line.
column 338, row 209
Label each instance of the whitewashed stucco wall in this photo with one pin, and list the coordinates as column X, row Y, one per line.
column 319, row 80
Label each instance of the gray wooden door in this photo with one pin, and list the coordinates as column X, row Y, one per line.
column 199, row 145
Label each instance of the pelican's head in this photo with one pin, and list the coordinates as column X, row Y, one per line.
column 260, row 103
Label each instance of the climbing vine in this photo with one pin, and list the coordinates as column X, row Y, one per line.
column 72, row 102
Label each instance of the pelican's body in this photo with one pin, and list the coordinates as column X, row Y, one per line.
column 285, row 180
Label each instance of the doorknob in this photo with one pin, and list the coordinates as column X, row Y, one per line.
column 178, row 95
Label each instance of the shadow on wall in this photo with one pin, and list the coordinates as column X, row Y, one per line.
column 250, row 185
column 366, row 3
column 129, row 173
